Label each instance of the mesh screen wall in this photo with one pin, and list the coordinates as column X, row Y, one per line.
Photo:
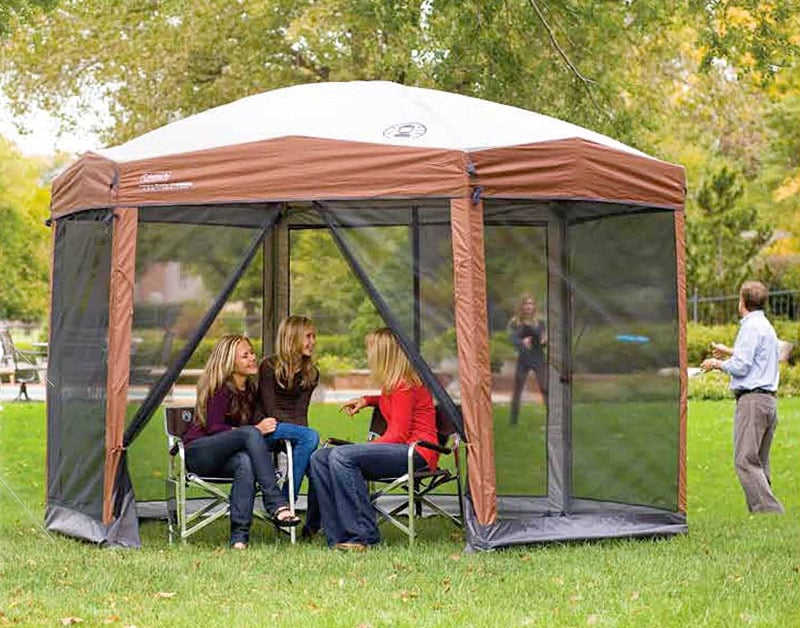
column 77, row 362
column 184, row 257
column 625, row 387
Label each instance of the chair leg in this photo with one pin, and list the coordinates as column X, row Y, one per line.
column 171, row 509
column 292, row 496
column 411, row 497
column 181, row 508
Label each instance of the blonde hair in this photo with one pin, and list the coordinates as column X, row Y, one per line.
column 289, row 360
column 388, row 364
column 520, row 317
column 217, row 371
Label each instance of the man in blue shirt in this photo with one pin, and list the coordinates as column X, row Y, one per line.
column 753, row 367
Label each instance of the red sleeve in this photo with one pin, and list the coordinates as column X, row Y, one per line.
column 371, row 400
column 216, row 411
column 399, row 416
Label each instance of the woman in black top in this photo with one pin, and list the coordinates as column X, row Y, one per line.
column 285, row 383
column 529, row 336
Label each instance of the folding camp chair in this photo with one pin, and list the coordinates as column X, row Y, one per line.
column 416, row 485
column 181, row 522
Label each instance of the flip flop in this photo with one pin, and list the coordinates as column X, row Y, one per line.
column 285, row 522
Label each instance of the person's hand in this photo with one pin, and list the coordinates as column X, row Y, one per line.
column 353, row 406
column 710, row 364
column 267, row 425
column 720, row 351
column 527, row 341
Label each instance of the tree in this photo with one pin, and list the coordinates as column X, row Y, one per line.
column 25, row 239
column 12, row 11
column 152, row 61
column 725, row 236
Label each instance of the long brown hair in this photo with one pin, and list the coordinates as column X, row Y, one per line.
column 289, row 360
column 217, row 373
column 388, row 364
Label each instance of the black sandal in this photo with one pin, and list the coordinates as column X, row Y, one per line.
column 285, row 522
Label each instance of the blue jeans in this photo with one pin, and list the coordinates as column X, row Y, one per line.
column 304, row 441
column 340, row 477
column 243, row 455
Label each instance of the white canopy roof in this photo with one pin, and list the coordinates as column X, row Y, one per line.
column 378, row 112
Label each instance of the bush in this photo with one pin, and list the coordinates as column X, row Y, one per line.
column 335, row 345
column 329, row 365
column 790, row 381
column 699, row 338
column 716, row 385
column 437, row 348
column 500, row 349
column 713, row 385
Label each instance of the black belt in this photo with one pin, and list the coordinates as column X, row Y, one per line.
column 761, row 391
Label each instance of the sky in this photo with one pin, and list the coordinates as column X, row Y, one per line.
column 42, row 136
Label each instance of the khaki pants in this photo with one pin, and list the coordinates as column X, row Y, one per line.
column 755, row 421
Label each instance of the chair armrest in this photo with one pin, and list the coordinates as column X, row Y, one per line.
column 336, row 441
column 429, row 445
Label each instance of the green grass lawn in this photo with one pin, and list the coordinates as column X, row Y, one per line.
column 732, row 569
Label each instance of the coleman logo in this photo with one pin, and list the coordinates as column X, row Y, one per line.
column 154, row 177
column 405, row 130
column 160, row 182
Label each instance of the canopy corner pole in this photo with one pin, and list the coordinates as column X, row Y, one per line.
column 680, row 275
column 559, row 415
column 275, row 281
column 472, row 339
column 120, row 323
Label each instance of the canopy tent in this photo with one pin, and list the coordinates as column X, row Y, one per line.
column 445, row 208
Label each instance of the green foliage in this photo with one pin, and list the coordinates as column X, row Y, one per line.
column 24, row 238
column 700, row 337
column 13, row 11
column 366, row 320
column 790, row 381
column 322, row 285
column 330, row 364
column 715, row 385
column 500, row 349
column 748, row 34
column 561, row 58
column 712, row 386
column 438, row 348
column 723, row 237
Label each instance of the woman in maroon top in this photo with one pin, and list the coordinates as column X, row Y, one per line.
column 225, row 442
column 340, row 473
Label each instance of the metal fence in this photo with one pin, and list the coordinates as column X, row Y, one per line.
column 716, row 310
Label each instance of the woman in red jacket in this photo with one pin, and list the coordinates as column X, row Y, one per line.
column 340, row 473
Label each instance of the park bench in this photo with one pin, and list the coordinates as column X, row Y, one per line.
column 18, row 366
